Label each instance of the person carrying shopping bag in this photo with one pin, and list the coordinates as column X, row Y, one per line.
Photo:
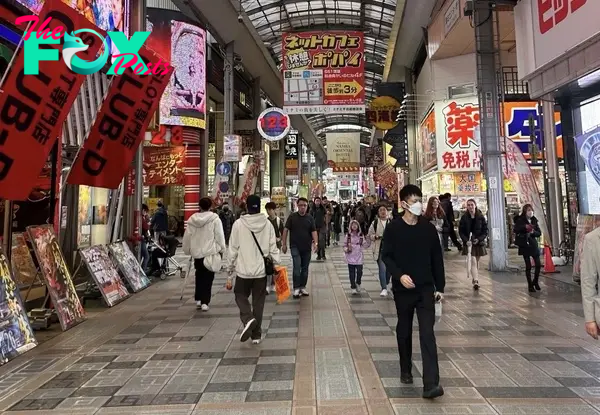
column 376, row 236
column 353, row 248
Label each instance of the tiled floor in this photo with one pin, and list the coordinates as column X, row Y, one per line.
column 501, row 351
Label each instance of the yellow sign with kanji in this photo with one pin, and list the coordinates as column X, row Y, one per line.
column 164, row 165
column 383, row 112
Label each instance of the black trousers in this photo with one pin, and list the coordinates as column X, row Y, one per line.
column 204, row 282
column 423, row 302
column 355, row 273
column 244, row 288
column 451, row 233
column 538, row 267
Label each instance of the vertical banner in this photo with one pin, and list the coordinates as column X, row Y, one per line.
column 324, row 72
column 119, row 127
column 292, row 153
column 343, row 152
column 427, row 146
column 33, row 108
column 248, row 181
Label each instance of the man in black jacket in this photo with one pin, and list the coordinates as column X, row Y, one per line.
column 446, row 202
column 318, row 213
column 413, row 255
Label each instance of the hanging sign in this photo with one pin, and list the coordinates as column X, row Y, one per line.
column 273, row 124
column 164, row 165
column 232, row 148
column 383, row 113
column 119, row 127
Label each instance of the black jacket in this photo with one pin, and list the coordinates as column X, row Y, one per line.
column 318, row 214
column 227, row 219
column 479, row 229
column 336, row 219
column 448, row 210
column 160, row 220
column 527, row 241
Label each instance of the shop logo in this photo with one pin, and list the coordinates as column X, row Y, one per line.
column 73, row 44
column 552, row 12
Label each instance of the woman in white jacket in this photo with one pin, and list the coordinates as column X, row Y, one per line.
column 246, row 260
column 204, row 240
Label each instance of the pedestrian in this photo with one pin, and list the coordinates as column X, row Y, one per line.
column 590, row 270
column 527, row 230
column 473, row 231
column 328, row 219
column 252, row 251
column 303, row 242
column 145, row 236
column 353, row 250
column 413, row 255
column 319, row 214
column 336, row 222
column 450, row 232
column 160, row 221
column 376, row 232
column 436, row 216
column 204, row 240
column 227, row 218
column 278, row 227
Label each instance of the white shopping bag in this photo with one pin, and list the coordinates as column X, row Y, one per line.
column 438, row 311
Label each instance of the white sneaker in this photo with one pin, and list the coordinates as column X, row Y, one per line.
column 268, row 290
column 256, row 341
column 357, row 288
column 296, row 293
column 304, row 293
column 273, row 288
column 198, row 304
column 384, row 293
column 248, row 328
column 204, row 307
column 354, row 291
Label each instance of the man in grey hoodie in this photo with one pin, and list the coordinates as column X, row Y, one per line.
column 252, row 239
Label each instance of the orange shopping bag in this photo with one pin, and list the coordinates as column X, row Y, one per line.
column 282, row 284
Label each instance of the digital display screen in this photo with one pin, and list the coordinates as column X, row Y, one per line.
column 184, row 46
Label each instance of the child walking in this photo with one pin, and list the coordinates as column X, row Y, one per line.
column 353, row 249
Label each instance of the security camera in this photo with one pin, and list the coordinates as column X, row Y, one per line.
column 240, row 18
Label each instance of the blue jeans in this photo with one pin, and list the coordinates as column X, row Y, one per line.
column 300, row 263
column 384, row 276
column 145, row 255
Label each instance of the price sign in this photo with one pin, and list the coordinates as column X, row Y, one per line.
column 273, row 124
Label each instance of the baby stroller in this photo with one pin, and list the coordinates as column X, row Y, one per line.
column 163, row 264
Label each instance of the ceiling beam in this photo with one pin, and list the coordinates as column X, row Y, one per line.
column 341, row 26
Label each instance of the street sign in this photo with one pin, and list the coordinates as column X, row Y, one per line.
column 223, row 169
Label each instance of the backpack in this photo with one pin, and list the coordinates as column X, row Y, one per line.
column 387, row 222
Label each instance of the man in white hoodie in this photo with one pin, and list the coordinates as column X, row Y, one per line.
column 247, row 260
column 203, row 237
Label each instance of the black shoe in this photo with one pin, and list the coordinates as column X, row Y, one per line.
column 537, row 286
column 531, row 288
column 459, row 248
column 433, row 393
column 406, row 378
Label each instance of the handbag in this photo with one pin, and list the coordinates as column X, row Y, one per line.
column 269, row 265
column 212, row 262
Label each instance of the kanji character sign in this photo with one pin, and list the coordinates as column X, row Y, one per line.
column 461, row 121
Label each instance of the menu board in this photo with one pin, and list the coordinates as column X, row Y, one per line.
column 16, row 335
column 22, row 263
column 56, row 276
column 104, row 274
column 129, row 266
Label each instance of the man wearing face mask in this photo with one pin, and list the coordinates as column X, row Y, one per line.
column 413, row 256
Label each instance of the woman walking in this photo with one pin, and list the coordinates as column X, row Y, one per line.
column 436, row 216
column 336, row 222
column 376, row 235
column 527, row 231
column 353, row 248
column 473, row 232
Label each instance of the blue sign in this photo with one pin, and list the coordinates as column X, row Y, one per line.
column 223, row 187
column 223, row 169
column 517, row 128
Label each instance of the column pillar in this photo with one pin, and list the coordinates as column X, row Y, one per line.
column 258, row 143
column 489, row 111
column 192, row 180
column 554, row 209
column 411, row 131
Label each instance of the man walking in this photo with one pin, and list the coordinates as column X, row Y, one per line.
column 303, row 242
column 413, row 255
column 252, row 239
column 227, row 219
column 446, row 202
column 319, row 214
column 160, row 221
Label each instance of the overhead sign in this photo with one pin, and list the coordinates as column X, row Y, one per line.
column 273, row 124
column 292, row 153
column 324, row 72
column 383, row 112
column 343, row 151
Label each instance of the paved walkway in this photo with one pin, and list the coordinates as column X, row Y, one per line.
column 502, row 351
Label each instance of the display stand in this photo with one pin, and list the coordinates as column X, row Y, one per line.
column 104, row 274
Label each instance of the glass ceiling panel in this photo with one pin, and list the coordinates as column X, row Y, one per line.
column 375, row 17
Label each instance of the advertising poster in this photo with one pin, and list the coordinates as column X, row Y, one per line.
column 427, row 147
column 387, row 178
column 23, row 159
column 23, row 267
column 84, row 217
column 248, row 181
column 184, row 46
column 129, row 266
column 104, row 162
column 104, row 274
column 585, row 224
column 232, row 148
column 164, row 165
column 16, row 335
column 343, row 151
column 56, row 276
column 324, row 72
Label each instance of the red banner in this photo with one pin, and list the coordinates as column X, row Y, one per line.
column 164, row 165
column 34, row 107
column 119, row 127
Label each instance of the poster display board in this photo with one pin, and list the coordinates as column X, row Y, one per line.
column 56, row 276
column 16, row 335
column 23, row 267
column 324, row 72
column 104, row 274
column 129, row 266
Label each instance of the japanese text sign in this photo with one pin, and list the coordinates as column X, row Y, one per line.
column 164, row 165
column 34, row 107
column 232, row 148
column 324, row 72
column 119, row 128
column 292, row 145
column 468, row 183
column 343, row 151
column 383, row 112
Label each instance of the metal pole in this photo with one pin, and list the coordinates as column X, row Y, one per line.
column 490, row 132
column 228, row 115
column 554, row 197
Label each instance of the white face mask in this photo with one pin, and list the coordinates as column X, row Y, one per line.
column 416, row 208
column 530, row 214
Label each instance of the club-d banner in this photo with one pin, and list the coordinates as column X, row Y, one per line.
column 34, row 107
column 119, row 128
column 343, row 151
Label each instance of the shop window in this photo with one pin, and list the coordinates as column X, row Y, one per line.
column 459, row 91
